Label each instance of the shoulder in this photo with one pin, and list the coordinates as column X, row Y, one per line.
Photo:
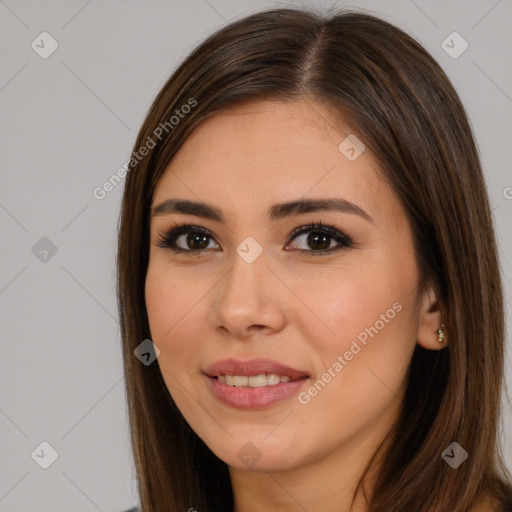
column 133, row 509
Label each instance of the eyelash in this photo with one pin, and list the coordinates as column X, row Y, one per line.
column 167, row 240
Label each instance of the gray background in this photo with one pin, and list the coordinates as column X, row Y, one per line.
column 68, row 122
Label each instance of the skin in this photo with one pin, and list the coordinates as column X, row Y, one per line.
column 301, row 308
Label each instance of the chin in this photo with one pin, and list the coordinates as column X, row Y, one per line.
column 258, row 455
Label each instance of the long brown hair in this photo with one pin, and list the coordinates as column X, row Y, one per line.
column 397, row 99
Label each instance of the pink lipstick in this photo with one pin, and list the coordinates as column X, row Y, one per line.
column 254, row 383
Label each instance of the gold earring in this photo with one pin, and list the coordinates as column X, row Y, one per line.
column 440, row 334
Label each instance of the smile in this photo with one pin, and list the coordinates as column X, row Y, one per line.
column 254, row 383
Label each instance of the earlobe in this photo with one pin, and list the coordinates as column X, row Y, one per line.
column 431, row 329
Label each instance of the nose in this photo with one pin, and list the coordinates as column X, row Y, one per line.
column 249, row 300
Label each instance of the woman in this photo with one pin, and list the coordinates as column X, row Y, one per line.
column 306, row 244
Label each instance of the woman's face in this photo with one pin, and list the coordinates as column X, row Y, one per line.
column 246, row 298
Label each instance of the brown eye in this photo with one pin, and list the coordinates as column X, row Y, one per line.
column 320, row 237
column 185, row 238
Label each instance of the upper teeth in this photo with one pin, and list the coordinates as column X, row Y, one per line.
column 255, row 381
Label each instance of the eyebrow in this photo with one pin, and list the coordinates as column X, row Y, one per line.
column 276, row 212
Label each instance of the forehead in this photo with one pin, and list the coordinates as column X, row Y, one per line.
column 258, row 154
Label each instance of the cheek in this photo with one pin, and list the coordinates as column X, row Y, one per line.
column 170, row 306
column 161, row 303
column 371, row 315
column 357, row 299
column 362, row 368
column 171, row 294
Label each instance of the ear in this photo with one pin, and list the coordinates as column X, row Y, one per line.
column 430, row 321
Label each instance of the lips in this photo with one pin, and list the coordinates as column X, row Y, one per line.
column 253, row 367
column 239, row 384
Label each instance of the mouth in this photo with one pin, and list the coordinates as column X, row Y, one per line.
column 254, row 383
